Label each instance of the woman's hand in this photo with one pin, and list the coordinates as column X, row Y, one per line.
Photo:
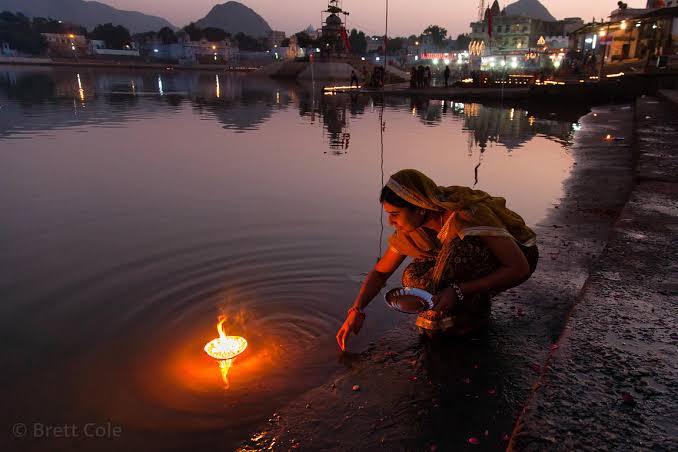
column 353, row 323
column 445, row 300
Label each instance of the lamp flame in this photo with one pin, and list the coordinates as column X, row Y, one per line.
column 225, row 349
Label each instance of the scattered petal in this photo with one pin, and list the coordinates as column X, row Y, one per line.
column 413, row 378
column 473, row 440
column 467, row 380
column 356, row 388
column 628, row 399
column 555, row 347
column 492, row 391
column 506, row 437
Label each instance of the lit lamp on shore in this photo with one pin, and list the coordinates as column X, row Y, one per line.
column 225, row 349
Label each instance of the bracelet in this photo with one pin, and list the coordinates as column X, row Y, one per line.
column 457, row 290
column 360, row 313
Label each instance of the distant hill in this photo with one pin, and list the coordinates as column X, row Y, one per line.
column 529, row 8
column 235, row 17
column 85, row 13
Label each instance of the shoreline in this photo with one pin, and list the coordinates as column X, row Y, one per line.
column 121, row 64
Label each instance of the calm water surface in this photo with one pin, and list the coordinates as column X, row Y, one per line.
column 137, row 207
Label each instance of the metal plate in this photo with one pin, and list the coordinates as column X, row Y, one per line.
column 409, row 300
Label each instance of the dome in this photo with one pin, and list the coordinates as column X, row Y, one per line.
column 334, row 20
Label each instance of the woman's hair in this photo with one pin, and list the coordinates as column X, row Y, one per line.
column 389, row 196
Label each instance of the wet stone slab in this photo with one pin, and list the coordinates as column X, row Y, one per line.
column 613, row 382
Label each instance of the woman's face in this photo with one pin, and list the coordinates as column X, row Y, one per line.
column 403, row 218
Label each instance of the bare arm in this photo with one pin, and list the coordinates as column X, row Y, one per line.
column 376, row 279
column 514, row 270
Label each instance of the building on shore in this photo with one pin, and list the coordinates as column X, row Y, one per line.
column 333, row 33
column 98, row 48
column 527, row 42
column 275, row 38
column 6, row 50
column 66, row 45
column 642, row 39
column 185, row 51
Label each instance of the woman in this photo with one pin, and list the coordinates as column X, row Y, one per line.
column 466, row 246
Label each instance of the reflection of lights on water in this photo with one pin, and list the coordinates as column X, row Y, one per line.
column 513, row 112
column 532, row 120
column 80, row 90
column 134, row 88
column 225, row 349
column 218, row 87
column 277, row 97
column 160, row 90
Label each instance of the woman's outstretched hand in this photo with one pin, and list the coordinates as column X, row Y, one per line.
column 445, row 300
column 353, row 323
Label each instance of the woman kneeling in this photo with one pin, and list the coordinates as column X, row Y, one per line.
column 465, row 245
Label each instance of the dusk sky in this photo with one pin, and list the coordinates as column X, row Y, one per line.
column 406, row 17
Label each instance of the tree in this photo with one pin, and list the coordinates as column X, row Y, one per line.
column 18, row 32
column 395, row 44
column 437, row 33
column 194, row 33
column 303, row 39
column 115, row 36
column 358, row 42
column 463, row 41
column 167, row 36
column 249, row 44
column 215, row 34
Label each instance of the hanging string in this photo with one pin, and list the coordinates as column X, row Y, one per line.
column 382, row 128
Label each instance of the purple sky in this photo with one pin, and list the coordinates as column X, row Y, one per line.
column 406, row 17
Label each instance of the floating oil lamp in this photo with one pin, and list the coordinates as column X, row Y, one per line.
column 225, row 349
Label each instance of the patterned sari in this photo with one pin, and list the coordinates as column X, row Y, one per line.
column 458, row 253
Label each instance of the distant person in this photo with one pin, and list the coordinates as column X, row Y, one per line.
column 354, row 78
column 413, row 77
column 420, row 76
column 446, row 74
column 428, row 78
column 466, row 246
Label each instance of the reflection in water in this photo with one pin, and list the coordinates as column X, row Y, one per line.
column 138, row 204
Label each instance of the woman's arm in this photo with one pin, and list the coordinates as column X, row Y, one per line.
column 375, row 280
column 513, row 271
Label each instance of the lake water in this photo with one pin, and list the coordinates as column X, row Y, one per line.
column 137, row 207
